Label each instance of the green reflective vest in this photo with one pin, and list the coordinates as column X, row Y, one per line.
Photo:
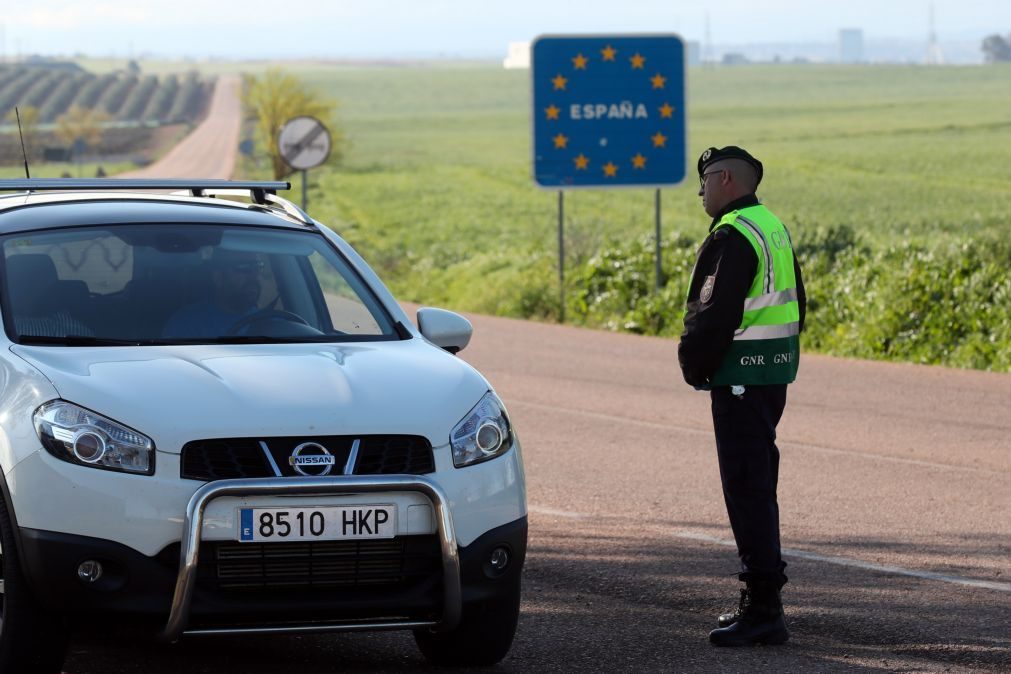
column 766, row 346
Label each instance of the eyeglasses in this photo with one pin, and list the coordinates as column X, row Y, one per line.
column 702, row 178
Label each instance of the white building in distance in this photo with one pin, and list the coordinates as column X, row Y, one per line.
column 518, row 56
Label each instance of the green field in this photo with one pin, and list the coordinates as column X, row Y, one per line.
column 887, row 150
column 895, row 181
column 61, row 169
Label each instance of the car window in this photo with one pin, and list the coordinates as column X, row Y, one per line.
column 182, row 283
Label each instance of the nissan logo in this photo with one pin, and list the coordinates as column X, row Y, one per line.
column 312, row 460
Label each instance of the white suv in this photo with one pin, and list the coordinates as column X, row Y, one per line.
column 214, row 418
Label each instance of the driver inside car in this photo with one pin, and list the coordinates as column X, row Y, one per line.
column 235, row 277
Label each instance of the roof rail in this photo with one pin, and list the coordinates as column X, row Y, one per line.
column 260, row 197
column 261, row 192
column 196, row 187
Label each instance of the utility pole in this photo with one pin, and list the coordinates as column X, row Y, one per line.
column 708, row 57
column 935, row 56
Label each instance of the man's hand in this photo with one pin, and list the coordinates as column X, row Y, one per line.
column 693, row 378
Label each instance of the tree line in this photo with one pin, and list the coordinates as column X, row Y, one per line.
column 997, row 48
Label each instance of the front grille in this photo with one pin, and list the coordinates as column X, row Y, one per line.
column 362, row 563
column 222, row 459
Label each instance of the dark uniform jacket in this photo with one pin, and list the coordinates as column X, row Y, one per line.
column 709, row 328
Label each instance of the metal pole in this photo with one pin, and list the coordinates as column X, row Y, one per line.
column 305, row 190
column 561, row 255
column 659, row 261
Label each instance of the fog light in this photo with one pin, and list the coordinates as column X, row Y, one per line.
column 89, row 571
column 499, row 559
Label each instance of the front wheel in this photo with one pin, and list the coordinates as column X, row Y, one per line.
column 31, row 640
column 482, row 638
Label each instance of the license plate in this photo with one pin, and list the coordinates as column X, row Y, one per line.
column 330, row 523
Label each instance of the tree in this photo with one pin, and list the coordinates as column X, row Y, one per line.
column 29, row 128
column 275, row 97
column 80, row 123
column 996, row 48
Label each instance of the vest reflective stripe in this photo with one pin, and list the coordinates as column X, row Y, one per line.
column 770, row 271
column 766, row 345
column 767, row 332
column 770, row 299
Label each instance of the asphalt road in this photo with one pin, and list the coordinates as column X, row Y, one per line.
column 895, row 494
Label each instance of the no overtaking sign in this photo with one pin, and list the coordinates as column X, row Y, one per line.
column 304, row 142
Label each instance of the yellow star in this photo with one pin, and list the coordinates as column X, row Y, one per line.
column 608, row 53
column 638, row 161
column 667, row 110
column 610, row 170
column 638, row 61
column 559, row 82
column 560, row 142
column 579, row 62
column 658, row 81
column 552, row 111
column 582, row 161
column 659, row 140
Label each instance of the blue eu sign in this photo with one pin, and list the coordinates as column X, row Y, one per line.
column 609, row 111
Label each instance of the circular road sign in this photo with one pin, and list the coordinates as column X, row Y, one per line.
column 304, row 142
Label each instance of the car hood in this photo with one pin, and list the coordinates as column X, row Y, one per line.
column 175, row 394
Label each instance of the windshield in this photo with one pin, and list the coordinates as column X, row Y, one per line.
column 183, row 283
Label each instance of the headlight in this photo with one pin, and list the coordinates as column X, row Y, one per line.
column 80, row 436
column 483, row 434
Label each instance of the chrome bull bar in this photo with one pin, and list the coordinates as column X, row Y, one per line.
column 316, row 486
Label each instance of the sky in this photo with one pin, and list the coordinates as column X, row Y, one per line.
column 467, row 28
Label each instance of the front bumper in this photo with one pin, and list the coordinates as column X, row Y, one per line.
column 165, row 593
column 193, row 525
column 146, row 513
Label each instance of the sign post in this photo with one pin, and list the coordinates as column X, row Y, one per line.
column 608, row 112
column 304, row 143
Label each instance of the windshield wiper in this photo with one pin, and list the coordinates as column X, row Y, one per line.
column 84, row 340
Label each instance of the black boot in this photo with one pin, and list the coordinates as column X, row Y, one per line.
column 760, row 620
column 728, row 619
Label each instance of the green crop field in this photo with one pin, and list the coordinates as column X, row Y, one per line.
column 895, row 181
column 887, row 150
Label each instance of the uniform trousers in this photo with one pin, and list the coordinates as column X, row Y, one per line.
column 745, row 429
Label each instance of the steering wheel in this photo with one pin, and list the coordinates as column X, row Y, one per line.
column 265, row 315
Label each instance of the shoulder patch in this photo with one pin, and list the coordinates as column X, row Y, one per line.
column 706, row 293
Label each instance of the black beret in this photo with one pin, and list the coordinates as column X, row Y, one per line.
column 729, row 152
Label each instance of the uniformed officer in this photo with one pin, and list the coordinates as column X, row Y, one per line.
column 744, row 314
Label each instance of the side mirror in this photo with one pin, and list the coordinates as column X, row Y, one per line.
column 444, row 328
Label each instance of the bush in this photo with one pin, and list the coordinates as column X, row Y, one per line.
column 616, row 287
column 947, row 304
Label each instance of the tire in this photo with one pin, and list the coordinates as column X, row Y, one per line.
column 31, row 639
column 482, row 638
